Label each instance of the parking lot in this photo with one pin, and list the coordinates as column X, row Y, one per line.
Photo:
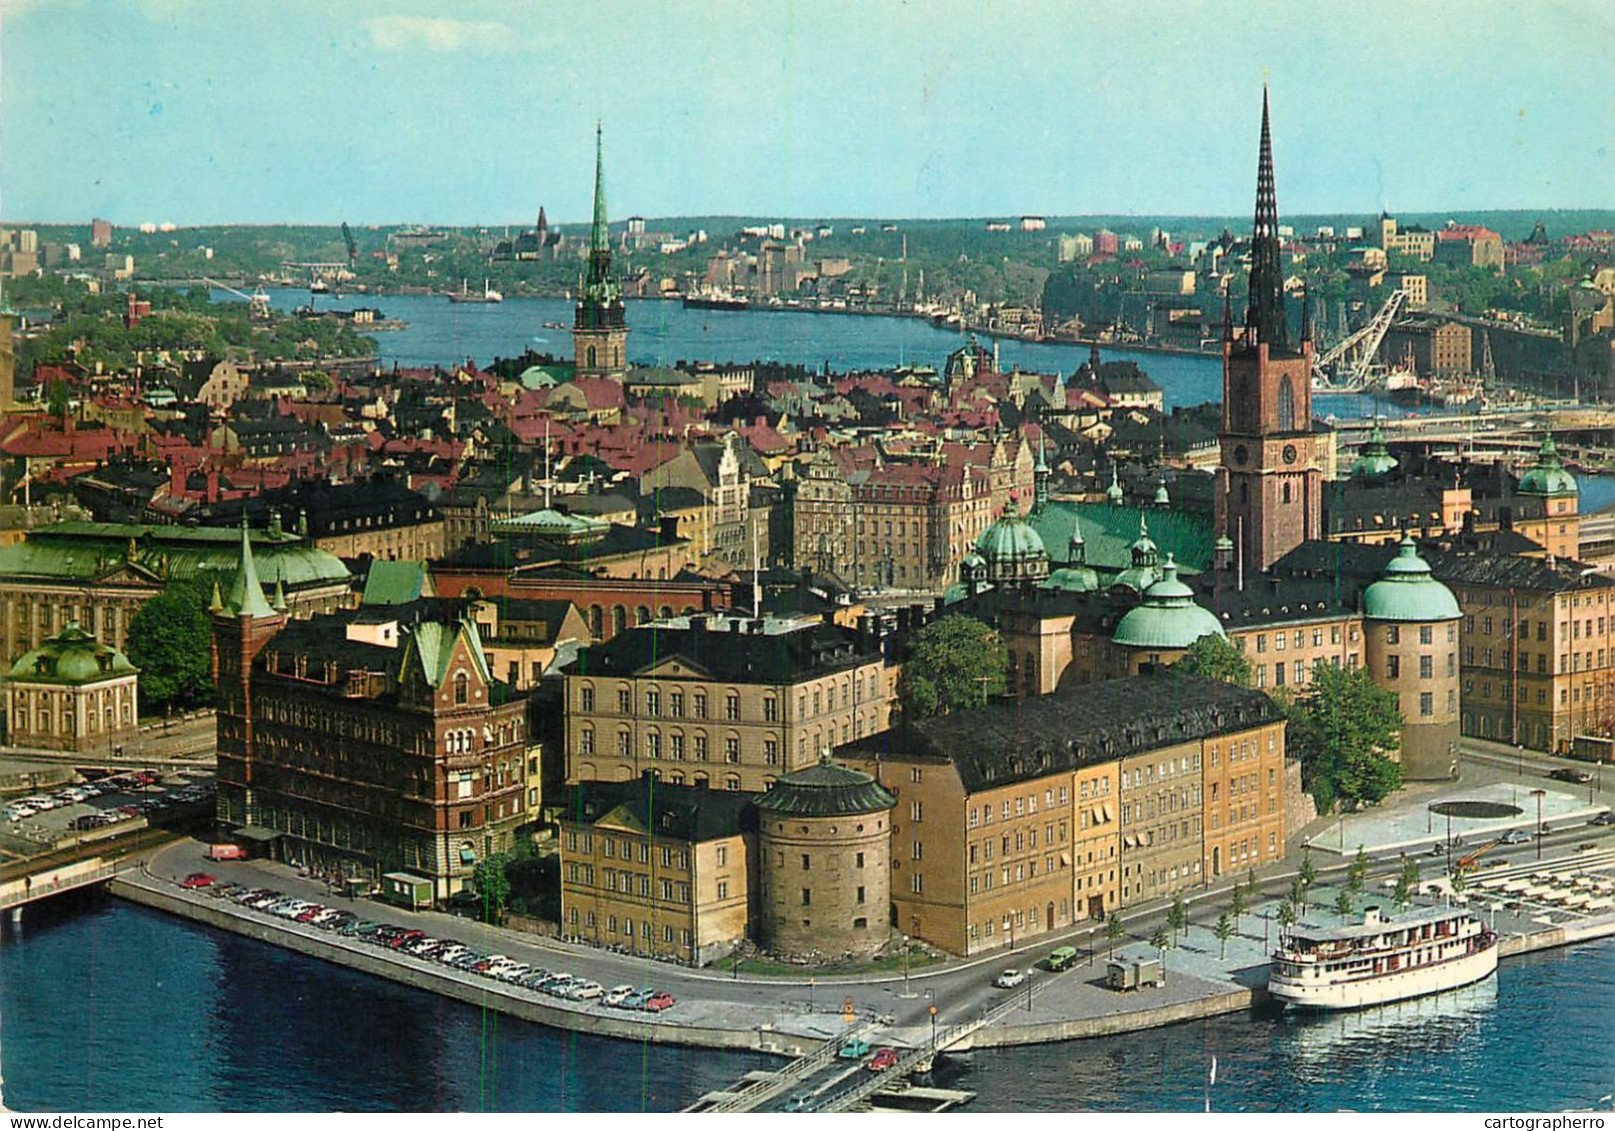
column 47, row 819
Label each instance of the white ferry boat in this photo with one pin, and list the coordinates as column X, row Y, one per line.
column 1379, row 960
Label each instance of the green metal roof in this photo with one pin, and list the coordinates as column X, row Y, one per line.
column 1407, row 592
column 1011, row 538
column 1549, row 476
column 72, row 656
column 1168, row 619
column 1375, row 459
column 85, row 551
column 246, row 596
column 1109, row 531
column 826, row 790
column 394, row 583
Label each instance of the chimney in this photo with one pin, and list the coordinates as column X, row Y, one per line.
column 176, row 479
column 213, row 485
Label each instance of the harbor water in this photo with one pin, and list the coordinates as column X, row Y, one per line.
column 105, row 1005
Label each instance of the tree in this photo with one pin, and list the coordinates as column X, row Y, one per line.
column 1341, row 729
column 170, row 641
column 1298, row 893
column 1177, row 916
column 1224, row 930
column 1286, row 917
column 953, row 664
column 1407, row 880
column 494, row 887
column 1359, row 871
column 1236, row 904
column 1113, row 932
column 1459, row 881
column 1159, row 940
column 1308, row 872
column 1343, row 904
column 1213, row 657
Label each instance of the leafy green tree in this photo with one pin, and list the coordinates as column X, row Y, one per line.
column 1224, row 930
column 953, row 664
column 1308, row 872
column 1236, row 904
column 1341, row 729
column 1298, row 893
column 1177, row 916
column 493, row 886
column 170, row 641
column 1113, row 932
column 1343, row 904
column 56, row 403
column 1460, row 881
column 1286, row 916
column 1359, row 871
column 1407, row 881
column 1159, row 940
column 1213, row 657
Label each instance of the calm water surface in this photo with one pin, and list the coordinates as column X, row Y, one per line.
column 104, row 1005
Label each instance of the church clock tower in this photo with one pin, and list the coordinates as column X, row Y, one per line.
column 600, row 328
column 1269, row 489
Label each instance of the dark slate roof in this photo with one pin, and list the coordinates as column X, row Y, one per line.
column 732, row 655
column 689, row 813
column 1024, row 739
column 826, row 790
column 1539, row 575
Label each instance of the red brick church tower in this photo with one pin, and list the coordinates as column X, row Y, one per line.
column 243, row 622
column 1269, row 489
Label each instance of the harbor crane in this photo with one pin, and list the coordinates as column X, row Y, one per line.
column 1348, row 366
column 257, row 301
column 353, row 248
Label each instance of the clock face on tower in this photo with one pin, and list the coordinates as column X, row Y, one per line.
column 1289, row 453
column 1240, row 455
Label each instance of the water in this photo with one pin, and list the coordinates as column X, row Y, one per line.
column 110, row 1006
column 662, row 333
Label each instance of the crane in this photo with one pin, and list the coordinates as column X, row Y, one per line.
column 353, row 248
column 1345, row 367
column 257, row 301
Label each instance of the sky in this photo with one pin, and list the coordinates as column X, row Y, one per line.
column 478, row 111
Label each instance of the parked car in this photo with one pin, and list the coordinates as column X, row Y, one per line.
column 585, row 991
column 882, row 1060
column 856, row 1048
column 637, row 999
column 1516, row 836
column 659, row 1001
column 1571, row 774
column 616, row 995
column 196, row 880
column 1009, row 979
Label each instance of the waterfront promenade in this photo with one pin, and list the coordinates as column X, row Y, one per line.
column 791, row 1016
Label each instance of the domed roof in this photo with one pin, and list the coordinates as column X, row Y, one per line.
column 1169, row 618
column 1011, row 539
column 1114, row 492
column 71, row 656
column 826, row 790
column 1375, row 459
column 1549, row 476
column 1407, row 592
column 1072, row 579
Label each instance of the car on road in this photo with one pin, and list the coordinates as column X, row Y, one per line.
column 585, row 991
column 1604, row 818
column 637, row 999
column 882, row 1060
column 1571, row 774
column 659, row 1001
column 802, row 1101
column 196, row 880
column 1009, row 979
column 856, row 1048
column 616, row 995
column 1516, row 836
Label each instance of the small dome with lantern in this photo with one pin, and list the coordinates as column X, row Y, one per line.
column 1012, row 549
column 1375, row 459
column 1168, row 619
column 1406, row 591
column 1549, row 476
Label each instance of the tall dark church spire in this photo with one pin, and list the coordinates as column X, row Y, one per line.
column 600, row 327
column 1265, row 315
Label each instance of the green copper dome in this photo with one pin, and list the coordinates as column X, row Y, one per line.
column 1114, row 491
column 72, row 656
column 826, row 790
column 1073, row 579
column 1168, row 619
column 1375, row 459
column 1549, row 476
column 1012, row 549
column 1407, row 592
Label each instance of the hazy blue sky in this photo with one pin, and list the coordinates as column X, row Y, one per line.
column 203, row 111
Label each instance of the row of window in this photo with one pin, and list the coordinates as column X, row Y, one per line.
column 653, row 704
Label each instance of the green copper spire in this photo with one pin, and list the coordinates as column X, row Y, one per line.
column 246, row 595
column 600, row 234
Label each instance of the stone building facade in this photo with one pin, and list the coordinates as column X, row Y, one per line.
column 72, row 693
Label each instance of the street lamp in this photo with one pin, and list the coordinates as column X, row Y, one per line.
column 1538, row 794
column 905, row 966
column 933, row 1030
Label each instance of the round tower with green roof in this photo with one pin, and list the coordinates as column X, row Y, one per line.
column 1410, row 625
column 1559, row 531
column 1161, row 628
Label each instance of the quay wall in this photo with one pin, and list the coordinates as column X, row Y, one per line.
column 469, row 988
column 1081, row 1028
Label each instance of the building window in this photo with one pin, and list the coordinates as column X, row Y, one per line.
column 675, row 704
column 916, row 883
column 625, row 701
column 807, row 897
column 731, row 707
column 1426, row 667
column 653, row 704
column 1426, row 634
column 723, row 855
column 771, row 710
column 586, row 699
column 723, row 889
column 1393, row 634
column 771, row 751
column 1393, row 667
column 586, row 741
column 915, row 811
column 462, row 689
column 700, row 705
column 731, row 749
column 1426, row 704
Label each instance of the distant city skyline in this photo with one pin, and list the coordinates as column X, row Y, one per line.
column 391, row 111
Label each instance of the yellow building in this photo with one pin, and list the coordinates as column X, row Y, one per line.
column 658, row 869
column 1020, row 819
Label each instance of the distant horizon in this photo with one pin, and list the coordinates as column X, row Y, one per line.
column 402, row 109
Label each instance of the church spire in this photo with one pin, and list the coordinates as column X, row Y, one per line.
column 246, row 594
column 1265, row 315
column 600, row 233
